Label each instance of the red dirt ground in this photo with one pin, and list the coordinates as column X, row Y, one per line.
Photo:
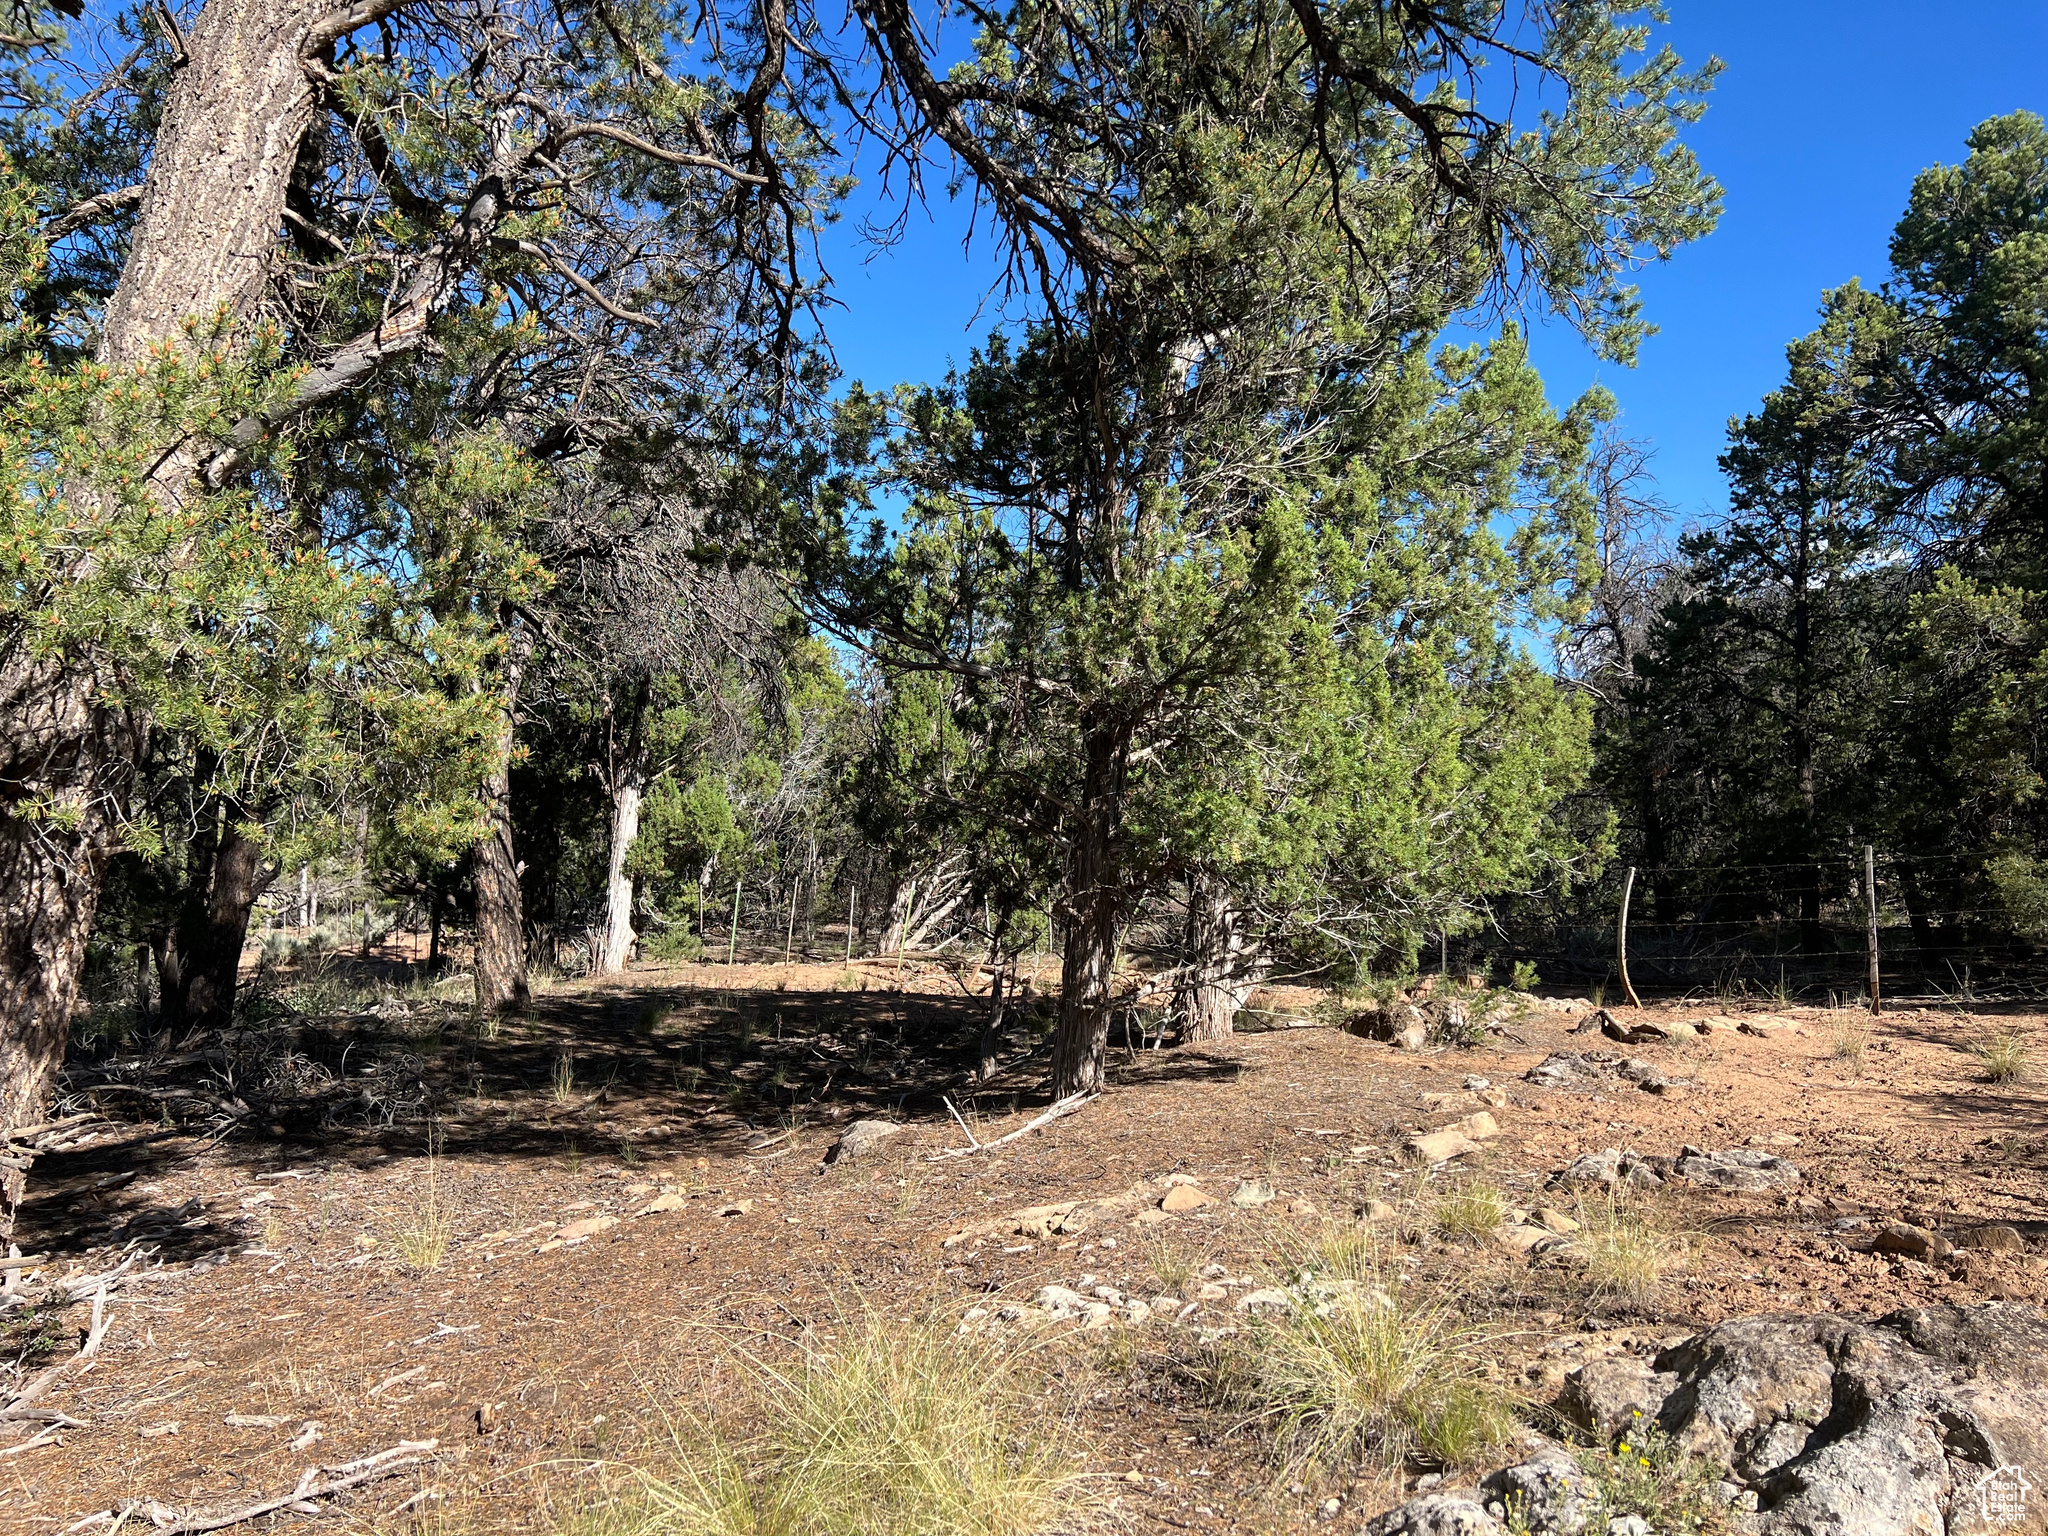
column 281, row 1294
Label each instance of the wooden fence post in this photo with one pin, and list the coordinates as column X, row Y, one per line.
column 1628, row 885
column 732, row 936
column 849, row 925
column 1870, row 902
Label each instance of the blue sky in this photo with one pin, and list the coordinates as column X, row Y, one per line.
column 1824, row 113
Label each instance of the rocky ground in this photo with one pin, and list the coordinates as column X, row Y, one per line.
column 644, row 1159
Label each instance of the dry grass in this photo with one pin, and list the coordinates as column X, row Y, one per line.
column 562, row 1081
column 1471, row 1212
column 2003, row 1054
column 890, row 1428
column 1851, row 1031
column 420, row 1235
column 1359, row 1372
column 1626, row 1250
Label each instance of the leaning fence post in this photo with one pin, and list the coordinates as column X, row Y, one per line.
column 1628, row 885
column 732, row 936
column 1870, row 902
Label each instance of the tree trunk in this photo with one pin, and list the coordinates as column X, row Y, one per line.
column 501, row 985
column 1220, row 973
column 203, row 245
column 629, row 784
column 49, row 888
column 1095, row 903
column 213, row 967
column 992, row 1031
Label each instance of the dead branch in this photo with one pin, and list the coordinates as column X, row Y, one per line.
column 314, row 1483
column 1059, row 1110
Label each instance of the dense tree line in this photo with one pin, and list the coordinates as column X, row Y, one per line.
column 1854, row 653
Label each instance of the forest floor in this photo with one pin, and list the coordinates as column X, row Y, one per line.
column 291, row 1278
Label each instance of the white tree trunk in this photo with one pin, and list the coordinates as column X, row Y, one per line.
column 619, row 937
column 1221, row 968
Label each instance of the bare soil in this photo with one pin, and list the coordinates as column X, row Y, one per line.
column 282, row 1292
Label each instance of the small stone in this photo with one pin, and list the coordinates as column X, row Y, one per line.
column 590, row 1226
column 1185, row 1197
column 640, row 1187
column 861, row 1138
column 1474, row 1083
column 1914, row 1242
column 660, row 1203
column 1435, row 1514
column 1478, row 1126
column 1628, row 1525
column 1330, row 1508
column 155, row 1431
column 256, row 1420
column 734, row 1208
column 1150, row 1216
column 1211, row 1291
column 1441, row 1146
column 1252, row 1192
column 1997, row 1238
column 1517, row 1238
column 1134, row 1476
column 1301, row 1205
column 1378, row 1210
column 1552, row 1220
column 1266, row 1299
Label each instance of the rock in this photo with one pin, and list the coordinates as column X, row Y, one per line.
column 1060, row 1303
column 861, row 1138
column 1914, row 1242
column 1766, row 1025
column 256, row 1420
column 1474, row 1083
column 1997, row 1238
column 1211, row 1291
column 1739, row 1168
column 1039, row 1221
column 1401, row 1025
column 1438, row 1103
column 1553, row 1220
column 1841, row 1426
column 660, row 1203
column 1587, row 1070
column 1518, row 1238
column 1441, row 1146
column 1629, row 1525
column 734, row 1208
column 1265, row 1299
column 1604, row 1396
column 1448, row 1021
column 588, row 1227
column 1479, row 1126
column 1549, row 1492
column 1436, row 1514
column 1252, row 1192
column 1378, row 1210
column 1300, row 1205
column 1613, row 1166
column 1495, row 1097
column 1186, row 1197
column 1150, row 1217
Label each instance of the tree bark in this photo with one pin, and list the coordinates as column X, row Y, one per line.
column 213, row 968
column 501, row 985
column 629, row 785
column 1095, row 907
column 203, row 245
column 1219, row 975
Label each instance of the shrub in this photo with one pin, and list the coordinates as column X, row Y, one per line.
column 1626, row 1251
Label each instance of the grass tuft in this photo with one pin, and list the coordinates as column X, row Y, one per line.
column 1851, row 1035
column 1626, row 1251
column 890, row 1427
column 2003, row 1054
column 420, row 1236
column 1468, row 1212
column 1354, row 1373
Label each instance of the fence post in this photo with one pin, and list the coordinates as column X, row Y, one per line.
column 1870, row 902
column 1628, row 885
column 732, row 936
column 849, row 925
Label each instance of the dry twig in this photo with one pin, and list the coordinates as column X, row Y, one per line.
column 1059, row 1110
column 314, row 1483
